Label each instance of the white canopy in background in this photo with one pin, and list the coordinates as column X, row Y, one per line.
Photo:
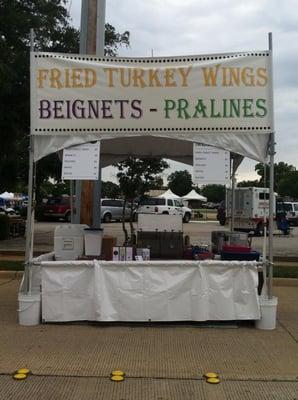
column 7, row 195
column 193, row 195
column 169, row 195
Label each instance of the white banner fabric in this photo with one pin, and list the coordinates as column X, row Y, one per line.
column 149, row 291
column 218, row 99
column 77, row 94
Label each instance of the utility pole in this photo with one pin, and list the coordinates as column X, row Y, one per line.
column 88, row 193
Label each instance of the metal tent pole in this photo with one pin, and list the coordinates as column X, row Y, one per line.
column 271, row 176
column 100, row 43
column 83, row 50
column 232, row 224
column 30, row 213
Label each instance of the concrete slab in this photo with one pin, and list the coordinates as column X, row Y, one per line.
column 74, row 388
column 165, row 351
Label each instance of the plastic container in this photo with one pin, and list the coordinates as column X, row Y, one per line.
column 268, row 313
column 252, row 256
column 29, row 309
column 69, row 241
column 232, row 248
column 93, row 241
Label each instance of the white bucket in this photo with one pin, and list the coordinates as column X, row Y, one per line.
column 29, row 309
column 93, row 241
column 268, row 313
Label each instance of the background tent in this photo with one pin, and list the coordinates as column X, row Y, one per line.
column 193, row 195
column 169, row 195
column 7, row 195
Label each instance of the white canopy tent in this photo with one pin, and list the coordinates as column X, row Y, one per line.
column 7, row 195
column 193, row 195
column 169, row 195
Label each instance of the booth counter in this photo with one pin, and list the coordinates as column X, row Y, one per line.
column 147, row 290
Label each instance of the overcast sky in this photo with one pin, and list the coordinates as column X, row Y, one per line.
column 180, row 27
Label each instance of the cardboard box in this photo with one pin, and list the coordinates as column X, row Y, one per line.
column 108, row 244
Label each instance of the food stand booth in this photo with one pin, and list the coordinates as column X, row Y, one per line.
column 148, row 107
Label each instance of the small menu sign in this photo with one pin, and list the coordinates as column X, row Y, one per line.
column 81, row 162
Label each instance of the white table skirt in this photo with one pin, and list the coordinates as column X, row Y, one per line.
column 149, row 291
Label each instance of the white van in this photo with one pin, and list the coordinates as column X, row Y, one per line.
column 160, row 205
column 291, row 209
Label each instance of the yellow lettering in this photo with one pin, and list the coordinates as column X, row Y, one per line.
column 76, row 78
column 90, row 77
column 153, row 78
column 262, row 74
column 210, row 75
column 247, row 76
column 42, row 74
column 235, row 76
column 169, row 77
column 122, row 77
column 138, row 78
column 55, row 79
column 110, row 72
column 184, row 72
column 67, row 78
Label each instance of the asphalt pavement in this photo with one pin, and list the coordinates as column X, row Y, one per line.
column 198, row 231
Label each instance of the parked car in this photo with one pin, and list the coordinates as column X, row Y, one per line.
column 210, row 205
column 111, row 209
column 59, row 208
column 159, row 205
column 56, row 208
column 291, row 209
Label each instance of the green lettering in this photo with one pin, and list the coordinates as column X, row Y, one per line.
column 260, row 105
column 182, row 107
column 234, row 108
column 170, row 105
column 213, row 114
column 200, row 109
column 247, row 104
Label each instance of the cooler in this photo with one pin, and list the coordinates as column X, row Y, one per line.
column 69, row 241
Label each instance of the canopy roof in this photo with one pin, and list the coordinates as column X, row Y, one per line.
column 7, row 195
column 60, row 118
column 193, row 195
column 169, row 195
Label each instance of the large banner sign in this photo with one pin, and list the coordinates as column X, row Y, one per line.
column 113, row 97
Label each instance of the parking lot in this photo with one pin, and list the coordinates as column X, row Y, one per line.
column 198, row 231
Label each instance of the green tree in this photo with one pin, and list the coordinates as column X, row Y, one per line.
column 55, row 189
column 53, row 32
column 288, row 185
column 214, row 193
column 180, row 182
column 110, row 190
column 255, row 183
column 137, row 176
column 281, row 170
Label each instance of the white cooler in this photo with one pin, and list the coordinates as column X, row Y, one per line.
column 69, row 241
